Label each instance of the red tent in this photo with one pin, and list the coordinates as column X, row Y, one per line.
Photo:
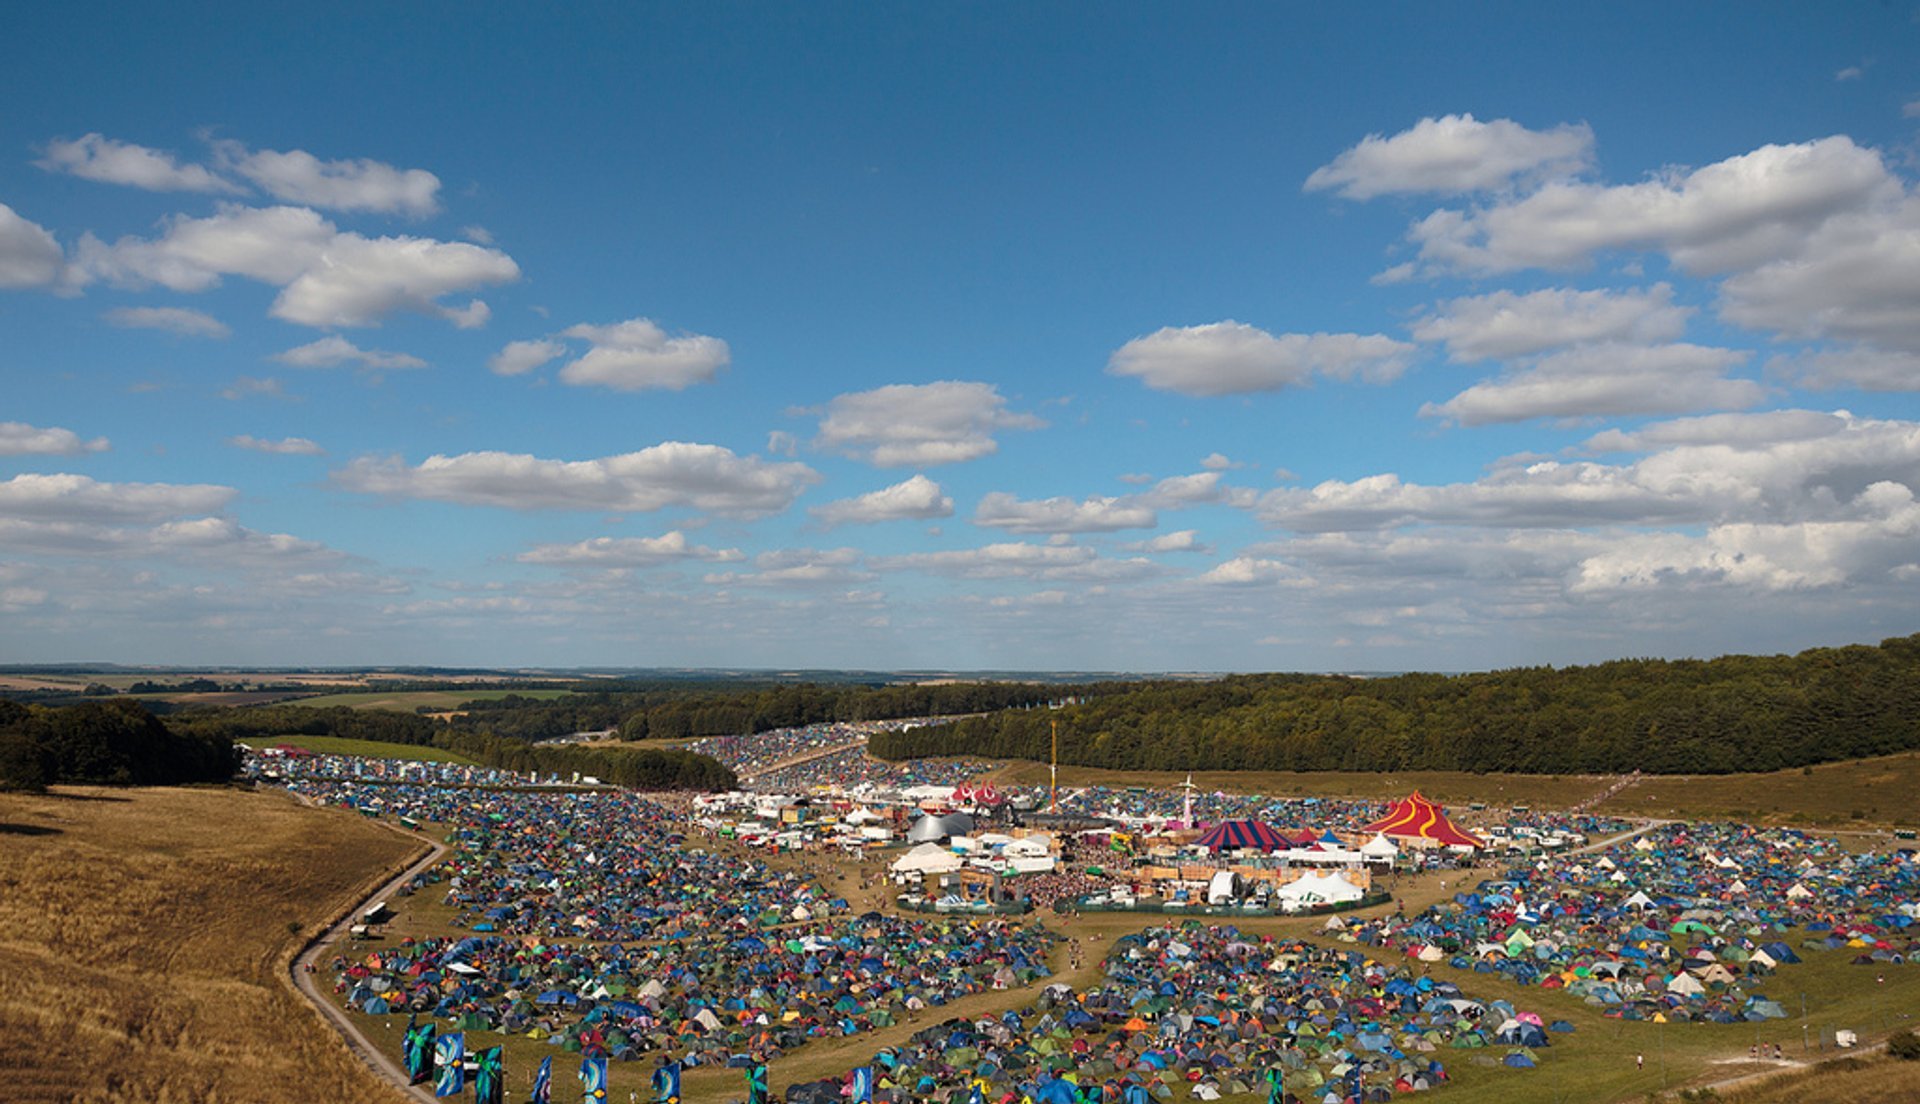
column 1416, row 818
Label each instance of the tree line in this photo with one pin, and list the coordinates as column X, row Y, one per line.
column 114, row 743
column 1735, row 713
column 640, row 768
column 669, row 711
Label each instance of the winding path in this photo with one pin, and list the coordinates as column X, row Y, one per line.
column 306, row 985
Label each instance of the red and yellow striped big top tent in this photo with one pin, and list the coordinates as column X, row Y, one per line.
column 1416, row 819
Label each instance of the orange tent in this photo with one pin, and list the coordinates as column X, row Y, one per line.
column 1416, row 818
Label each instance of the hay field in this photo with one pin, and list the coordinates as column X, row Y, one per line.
column 409, row 701
column 143, row 940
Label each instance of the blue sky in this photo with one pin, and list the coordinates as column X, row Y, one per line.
column 1242, row 337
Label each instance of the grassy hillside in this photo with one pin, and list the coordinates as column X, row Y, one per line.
column 1879, row 789
column 372, row 749
column 143, row 938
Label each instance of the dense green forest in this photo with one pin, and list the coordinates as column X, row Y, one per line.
column 1736, row 713
column 676, row 712
column 641, row 768
column 253, row 724
column 113, row 743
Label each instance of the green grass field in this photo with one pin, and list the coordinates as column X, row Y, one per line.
column 408, row 701
column 372, row 749
column 1863, row 792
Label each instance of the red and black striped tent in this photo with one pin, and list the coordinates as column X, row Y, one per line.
column 1417, row 818
column 1243, row 835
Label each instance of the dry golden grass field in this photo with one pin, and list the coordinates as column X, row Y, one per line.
column 144, row 936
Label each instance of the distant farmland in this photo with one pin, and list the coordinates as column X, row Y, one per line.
column 410, row 701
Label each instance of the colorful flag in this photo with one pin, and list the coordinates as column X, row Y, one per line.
column 449, row 1076
column 666, row 1083
column 593, row 1079
column 757, row 1083
column 863, row 1085
column 543, row 1083
column 489, row 1079
column 417, row 1052
column 1276, row 1086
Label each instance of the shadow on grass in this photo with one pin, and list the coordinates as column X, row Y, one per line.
column 57, row 796
column 28, row 830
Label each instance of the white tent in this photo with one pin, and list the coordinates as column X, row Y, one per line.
column 1686, row 984
column 928, row 858
column 1320, row 889
column 1379, row 849
column 1223, row 888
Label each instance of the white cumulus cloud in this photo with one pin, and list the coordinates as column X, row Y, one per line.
column 676, row 473
column 97, row 157
column 669, row 547
column 65, row 497
column 29, row 257
column 520, row 357
column 1736, row 213
column 21, row 439
column 918, row 498
column 1452, row 154
column 327, row 277
column 637, row 355
column 360, row 184
column 1595, row 380
column 1505, row 324
column 1096, row 514
column 946, row 422
column 1232, row 358
column 335, row 350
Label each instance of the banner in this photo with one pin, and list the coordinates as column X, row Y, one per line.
column 489, row 1082
column 449, row 1076
column 416, row 1053
column 543, row 1083
column 757, row 1083
column 593, row 1079
column 863, row 1085
column 666, row 1083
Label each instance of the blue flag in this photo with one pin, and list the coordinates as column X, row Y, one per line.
column 863, row 1085
column 593, row 1079
column 757, row 1083
column 543, row 1083
column 449, row 1076
column 666, row 1083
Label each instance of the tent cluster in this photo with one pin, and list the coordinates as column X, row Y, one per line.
column 1204, row 1012
column 1683, row 922
column 852, row 770
column 702, row 1000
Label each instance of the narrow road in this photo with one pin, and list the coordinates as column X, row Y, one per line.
column 307, row 985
